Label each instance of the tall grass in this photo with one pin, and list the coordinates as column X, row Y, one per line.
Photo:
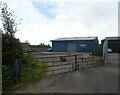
column 31, row 71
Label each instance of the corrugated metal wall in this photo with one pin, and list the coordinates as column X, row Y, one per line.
column 59, row 46
column 73, row 46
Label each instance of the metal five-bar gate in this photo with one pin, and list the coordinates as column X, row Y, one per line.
column 67, row 62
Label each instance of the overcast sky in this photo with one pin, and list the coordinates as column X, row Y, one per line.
column 45, row 20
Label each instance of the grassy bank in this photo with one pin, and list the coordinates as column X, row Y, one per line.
column 31, row 71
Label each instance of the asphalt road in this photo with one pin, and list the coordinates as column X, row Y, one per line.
column 91, row 80
column 113, row 58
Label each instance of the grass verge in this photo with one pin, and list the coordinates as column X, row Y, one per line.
column 31, row 71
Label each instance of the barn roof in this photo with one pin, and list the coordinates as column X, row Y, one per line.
column 75, row 38
column 113, row 38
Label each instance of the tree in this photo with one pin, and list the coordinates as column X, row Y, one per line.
column 8, row 20
column 11, row 47
column 49, row 46
column 26, row 41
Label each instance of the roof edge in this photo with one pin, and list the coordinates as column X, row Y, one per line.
column 75, row 38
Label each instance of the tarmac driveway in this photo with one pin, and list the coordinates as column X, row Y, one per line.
column 91, row 80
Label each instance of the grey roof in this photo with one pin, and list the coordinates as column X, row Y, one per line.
column 113, row 38
column 75, row 38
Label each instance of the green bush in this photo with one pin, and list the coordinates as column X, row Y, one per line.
column 11, row 49
column 31, row 72
column 7, row 76
column 97, row 50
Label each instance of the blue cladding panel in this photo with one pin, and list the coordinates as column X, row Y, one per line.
column 59, row 46
column 84, row 46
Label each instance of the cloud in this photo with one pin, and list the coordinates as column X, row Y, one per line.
column 64, row 19
column 45, row 8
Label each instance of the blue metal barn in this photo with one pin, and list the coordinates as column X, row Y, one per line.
column 74, row 44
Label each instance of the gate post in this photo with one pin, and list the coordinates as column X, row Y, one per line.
column 17, row 70
column 76, row 67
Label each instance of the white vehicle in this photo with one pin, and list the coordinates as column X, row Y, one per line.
column 109, row 50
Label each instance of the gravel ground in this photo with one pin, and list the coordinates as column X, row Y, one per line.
column 91, row 80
